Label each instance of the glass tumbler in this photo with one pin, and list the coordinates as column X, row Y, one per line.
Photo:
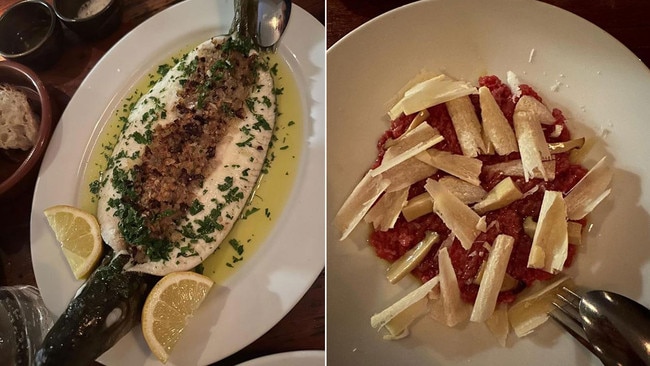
column 24, row 321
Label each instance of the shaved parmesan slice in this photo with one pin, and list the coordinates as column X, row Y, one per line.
column 408, row 145
column 515, row 168
column 468, row 128
column 466, row 192
column 359, row 202
column 482, row 224
column 550, row 243
column 404, row 174
column 382, row 319
column 419, row 118
column 429, row 93
column 398, row 326
column 560, row 147
column 498, row 324
column 411, row 259
column 496, row 128
column 495, row 270
column 456, row 310
column 574, row 230
column 533, row 305
column 463, row 167
column 436, row 307
column 489, row 146
column 589, row 191
column 384, row 213
column 503, row 194
column 513, row 82
column 530, row 137
column 458, row 217
column 423, row 75
column 536, row 109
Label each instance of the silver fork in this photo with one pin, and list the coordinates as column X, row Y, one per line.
column 586, row 321
column 568, row 318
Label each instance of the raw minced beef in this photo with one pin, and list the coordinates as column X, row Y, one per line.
column 392, row 244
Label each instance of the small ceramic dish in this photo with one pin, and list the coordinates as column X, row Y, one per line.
column 17, row 166
column 89, row 19
column 31, row 34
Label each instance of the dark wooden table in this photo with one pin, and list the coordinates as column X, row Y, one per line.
column 626, row 20
column 302, row 329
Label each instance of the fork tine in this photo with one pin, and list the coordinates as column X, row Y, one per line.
column 571, row 311
column 570, row 318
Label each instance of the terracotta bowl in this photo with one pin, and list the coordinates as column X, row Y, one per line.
column 17, row 167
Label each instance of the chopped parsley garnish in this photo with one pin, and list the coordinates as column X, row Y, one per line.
column 227, row 184
column 239, row 248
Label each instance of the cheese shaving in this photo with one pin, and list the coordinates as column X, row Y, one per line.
column 466, row 192
column 533, row 305
column 530, row 137
column 408, row 145
column 381, row 319
column 589, row 191
column 537, row 110
column 463, row 167
column 359, row 202
column 429, row 93
column 385, row 212
column 493, row 275
column 550, row 242
column 515, row 168
column 406, row 173
column 458, row 217
column 496, row 128
column 513, row 82
column 467, row 127
column 455, row 309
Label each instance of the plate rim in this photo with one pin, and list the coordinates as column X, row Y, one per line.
column 344, row 44
column 298, row 59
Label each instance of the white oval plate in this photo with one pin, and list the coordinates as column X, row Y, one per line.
column 272, row 281
column 296, row 358
column 602, row 88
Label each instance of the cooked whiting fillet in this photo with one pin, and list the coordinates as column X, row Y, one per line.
column 188, row 158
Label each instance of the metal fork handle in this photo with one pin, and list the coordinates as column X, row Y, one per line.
column 579, row 336
column 609, row 354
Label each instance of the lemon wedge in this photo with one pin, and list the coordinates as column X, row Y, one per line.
column 169, row 306
column 79, row 235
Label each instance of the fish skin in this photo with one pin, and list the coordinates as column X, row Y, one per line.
column 79, row 336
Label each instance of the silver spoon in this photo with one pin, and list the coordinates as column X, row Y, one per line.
column 261, row 21
column 617, row 326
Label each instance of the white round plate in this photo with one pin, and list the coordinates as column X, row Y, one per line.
column 297, row 358
column 272, row 281
column 600, row 85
